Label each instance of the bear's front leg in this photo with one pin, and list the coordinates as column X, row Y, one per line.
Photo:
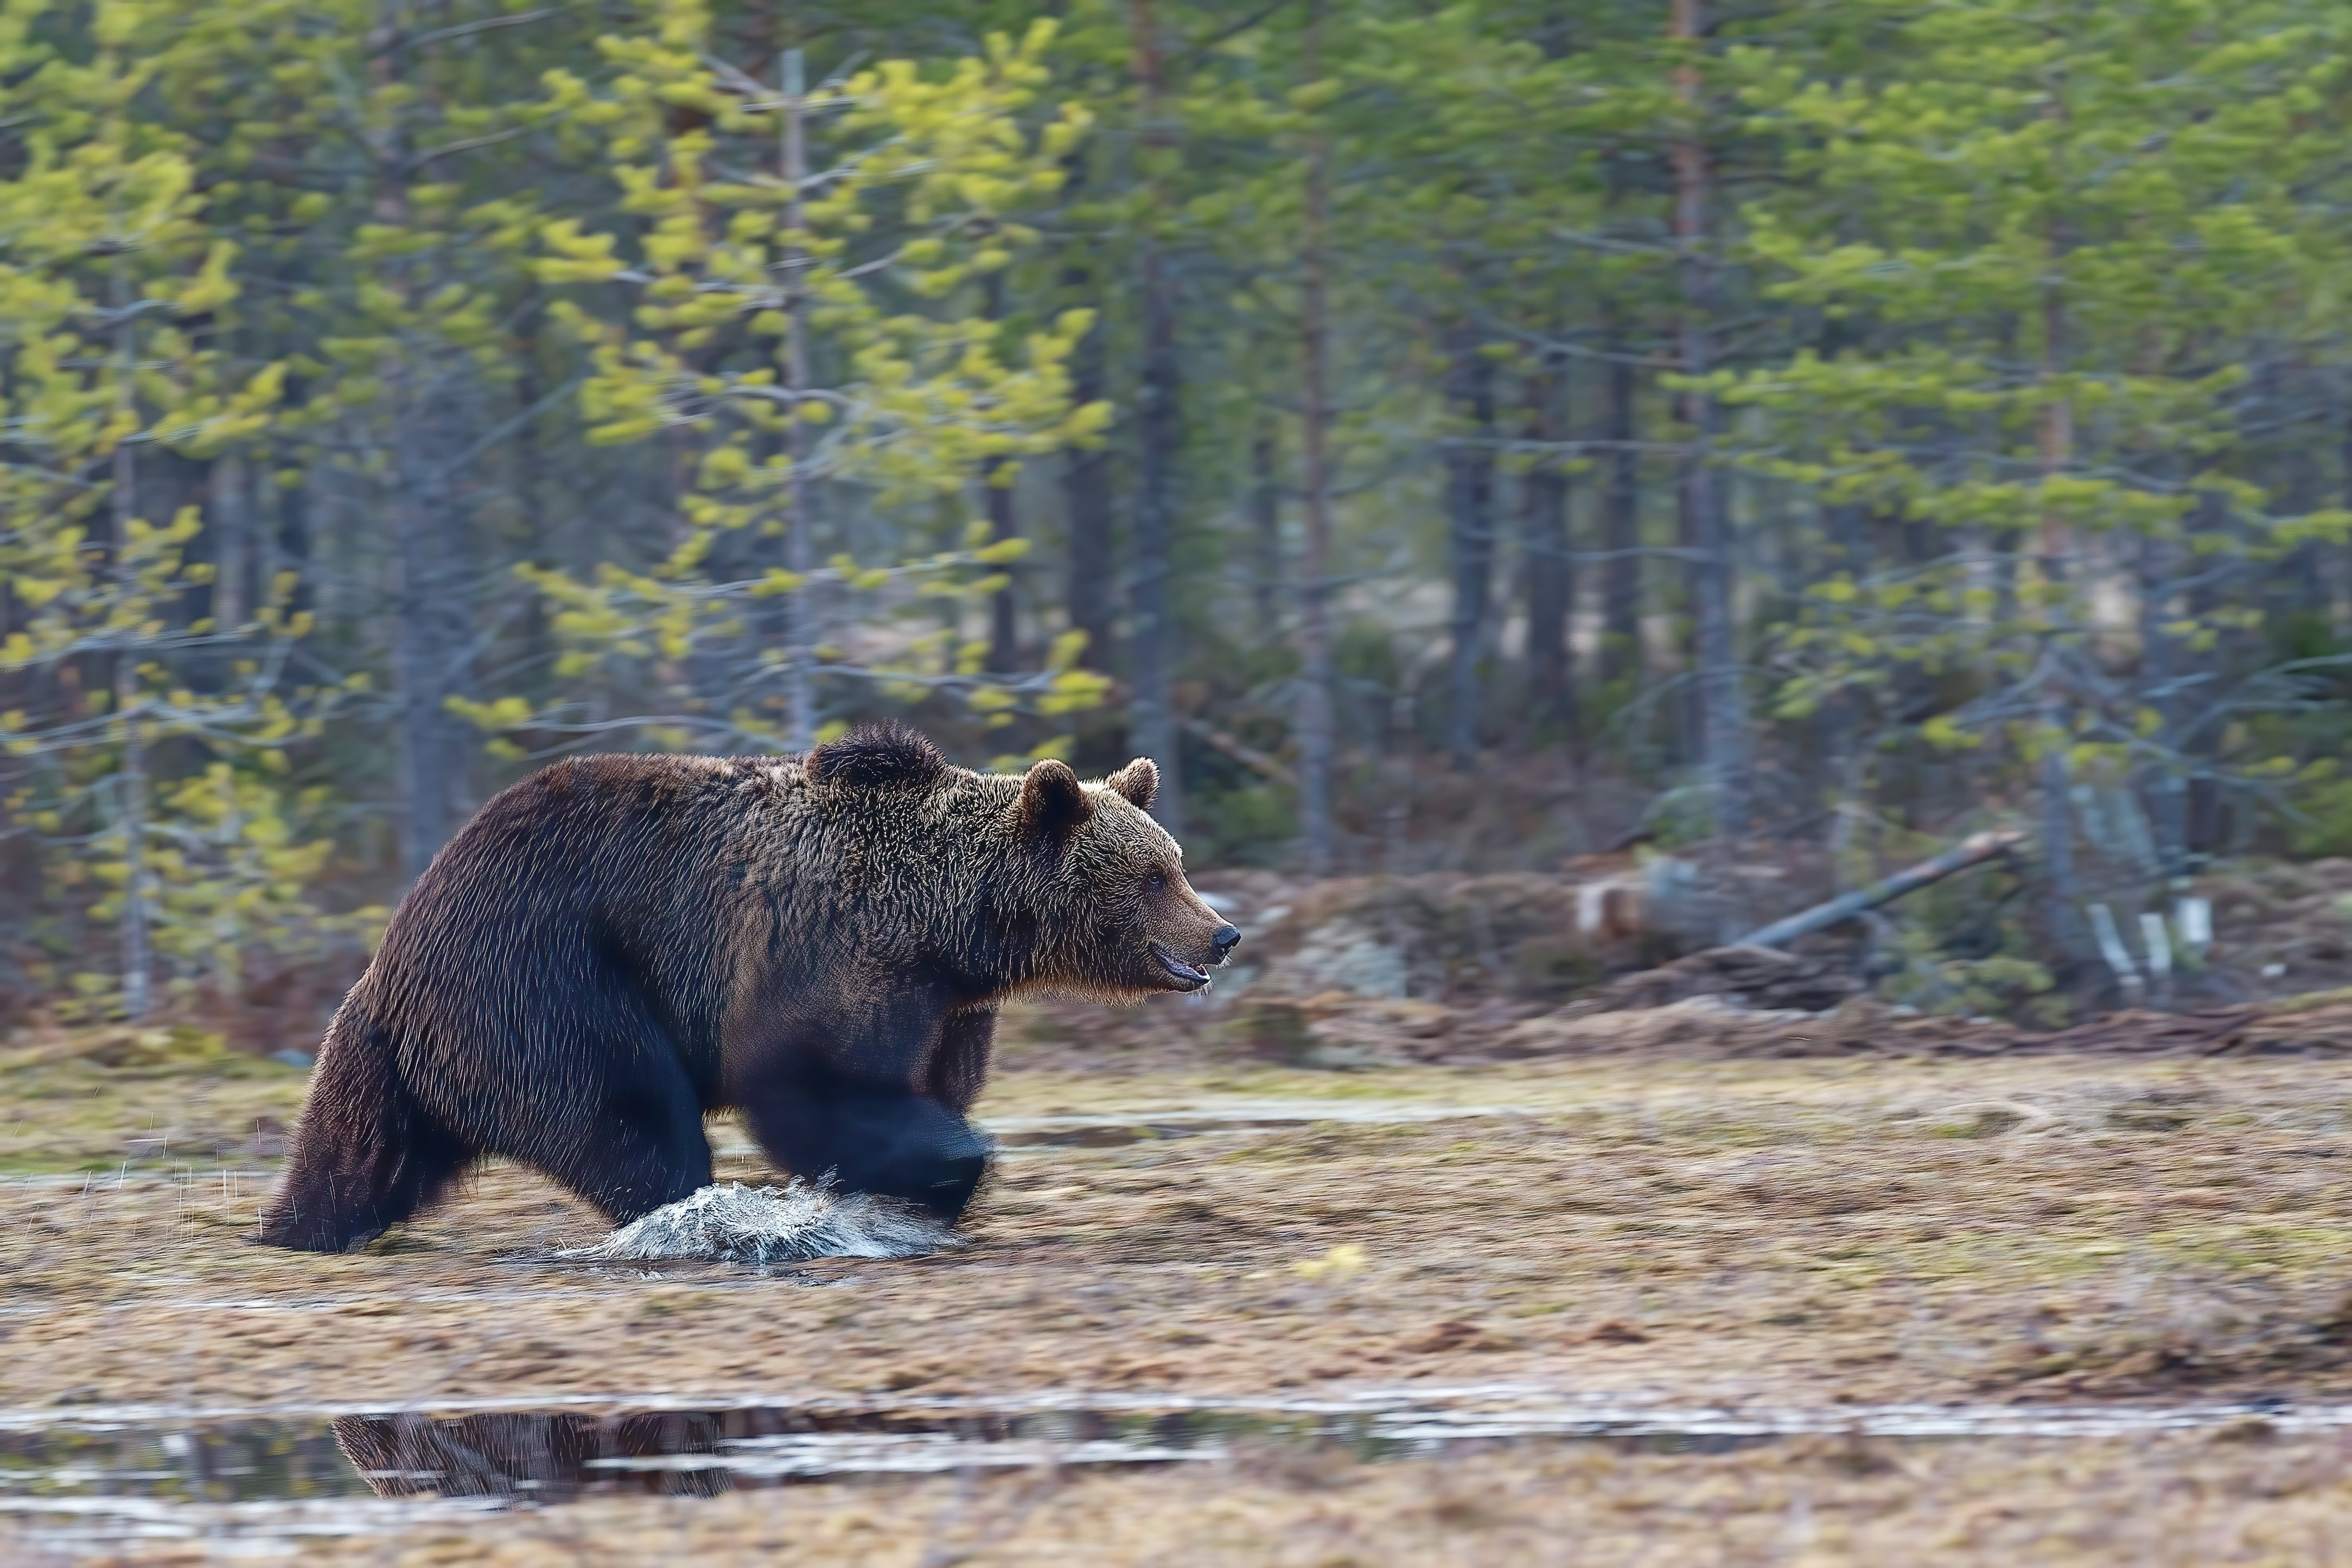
column 870, row 1138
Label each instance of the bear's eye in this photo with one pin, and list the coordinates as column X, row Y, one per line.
column 1156, row 882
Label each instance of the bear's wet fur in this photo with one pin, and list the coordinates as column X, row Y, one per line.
column 619, row 944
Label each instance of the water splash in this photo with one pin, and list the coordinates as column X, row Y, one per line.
column 766, row 1226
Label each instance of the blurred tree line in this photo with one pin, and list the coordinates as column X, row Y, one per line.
column 1441, row 435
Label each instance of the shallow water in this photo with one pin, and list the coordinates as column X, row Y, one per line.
column 280, row 1476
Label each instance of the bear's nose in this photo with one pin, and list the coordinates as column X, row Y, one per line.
column 1227, row 939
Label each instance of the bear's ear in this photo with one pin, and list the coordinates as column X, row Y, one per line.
column 1051, row 803
column 1138, row 781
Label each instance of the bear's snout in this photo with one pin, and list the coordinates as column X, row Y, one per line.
column 1227, row 938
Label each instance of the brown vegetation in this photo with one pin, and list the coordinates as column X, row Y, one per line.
column 1949, row 1215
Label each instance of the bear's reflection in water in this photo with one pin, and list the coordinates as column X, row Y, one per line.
column 551, row 1458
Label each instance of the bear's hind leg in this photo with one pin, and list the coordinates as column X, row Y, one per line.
column 636, row 1143
column 365, row 1156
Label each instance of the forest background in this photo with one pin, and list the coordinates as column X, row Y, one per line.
column 1446, row 437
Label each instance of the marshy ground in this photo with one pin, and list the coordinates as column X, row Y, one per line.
column 1810, row 1235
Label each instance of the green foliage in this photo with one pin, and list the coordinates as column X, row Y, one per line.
column 2041, row 259
column 114, row 284
column 2004, row 984
column 1238, row 826
column 237, row 857
column 488, row 342
column 2323, row 823
column 925, row 179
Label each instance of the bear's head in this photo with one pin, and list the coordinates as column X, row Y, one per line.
column 1116, row 917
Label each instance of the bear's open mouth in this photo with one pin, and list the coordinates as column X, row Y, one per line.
column 1183, row 973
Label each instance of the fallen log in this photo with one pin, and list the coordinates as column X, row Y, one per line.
column 1975, row 850
column 1241, row 751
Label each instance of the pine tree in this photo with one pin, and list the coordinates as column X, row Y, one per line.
column 2055, row 251
column 749, row 283
column 116, row 291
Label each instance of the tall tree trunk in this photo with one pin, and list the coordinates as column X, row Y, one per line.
column 1151, row 637
column 1159, row 434
column 430, row 626
column 130, row 807
column 231, row 527
column 2204, row 817
column 1003, row 613
column 1314, row 716
column 1550, row 568
column 1845, row 539
column 2055, row 441
column 1003, row 524
column 138, row 882
column 293, row 545
column 435, row 620
column 1846, row 536
column 1086, row 500
column 421, row 651
column 800, row 526
column 1470, row 526
column 1086, row 471
column 1620, row 580
column 1265, row 531
column 2299, row 587
column 540, row 538
column 2165, row 788
column 1724, row 732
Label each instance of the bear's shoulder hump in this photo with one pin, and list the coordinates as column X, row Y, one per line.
column 878, row 756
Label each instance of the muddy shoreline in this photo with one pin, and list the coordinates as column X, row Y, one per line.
column 1676, row 1249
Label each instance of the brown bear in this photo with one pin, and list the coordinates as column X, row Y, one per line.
column 618, row 944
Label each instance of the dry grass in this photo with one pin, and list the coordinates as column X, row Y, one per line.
column 92, row 1100
column 1808, row 1231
